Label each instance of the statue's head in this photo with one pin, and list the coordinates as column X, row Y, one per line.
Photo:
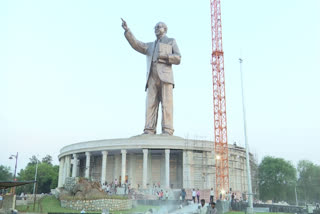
column 160, row 29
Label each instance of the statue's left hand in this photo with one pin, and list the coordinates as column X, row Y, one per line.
column 124, row 25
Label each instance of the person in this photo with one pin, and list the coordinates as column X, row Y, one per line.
column 129, row 188
column 183, row 195
column 149, row 211
column 194, row 194
column 115, row 189
column 232, row 201
column 212, row 209
column 198, row 196
column 108, row 189
column 202, row 209
column 161, row 54
column 167, row 195
column 83, row 211
column 211, row 195
column 115, row 182
column 125, row 188
column 104, row 188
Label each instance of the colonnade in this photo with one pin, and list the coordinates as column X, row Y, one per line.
column 66, row 161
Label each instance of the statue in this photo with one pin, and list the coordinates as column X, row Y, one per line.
column 161, row 54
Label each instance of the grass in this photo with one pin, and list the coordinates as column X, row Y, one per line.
column 51, row 204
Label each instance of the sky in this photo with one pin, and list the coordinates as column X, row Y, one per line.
column 68, row 75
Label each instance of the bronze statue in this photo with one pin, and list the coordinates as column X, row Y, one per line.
column 161, row 54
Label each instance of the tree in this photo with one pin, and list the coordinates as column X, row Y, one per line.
column 33, row 160
column 277, row 179
column 47, row 176
column 5, row 174
column 309, row 181
column 47, row 159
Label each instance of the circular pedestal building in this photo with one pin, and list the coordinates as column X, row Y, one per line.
column 147, row 160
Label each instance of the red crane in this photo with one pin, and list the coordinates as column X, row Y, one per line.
column 219, row 102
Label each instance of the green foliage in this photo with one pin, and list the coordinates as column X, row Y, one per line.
column 277, row 179
column 47, row 177
column 5, row 174
column 308, row 182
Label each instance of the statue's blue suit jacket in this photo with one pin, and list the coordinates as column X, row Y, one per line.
column 167, row 46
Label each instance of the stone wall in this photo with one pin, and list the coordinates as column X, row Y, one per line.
column 97, row 205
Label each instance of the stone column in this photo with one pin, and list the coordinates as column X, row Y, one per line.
column 75, row 165
column 123, row 165
column 150, row 165
column 145, row 168
column 167, row 164
column 68, row 165
column 87, row 173
column 61, row 171
column 104, row 166
column 64, row 173
column 117, row 167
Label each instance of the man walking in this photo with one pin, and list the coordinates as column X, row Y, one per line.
column 211, row 195
column 161, row 54
column 212, row 209
column 202, row 209
column 198, row 196
column 194, row 194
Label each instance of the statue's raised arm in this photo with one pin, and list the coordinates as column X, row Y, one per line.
column 135, row 44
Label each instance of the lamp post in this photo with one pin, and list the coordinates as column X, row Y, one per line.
column 15, row 169
column 250, row 195
column 35, row 177
column 35, row 185
column 295, row 192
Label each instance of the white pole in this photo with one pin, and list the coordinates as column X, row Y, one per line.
column 250, row 201
column 295, row 190
column 35, row 178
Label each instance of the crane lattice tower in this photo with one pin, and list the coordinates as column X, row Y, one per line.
column 219, row 102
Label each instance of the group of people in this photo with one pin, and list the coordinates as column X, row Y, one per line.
column 203, row 209
column 196, row 194
column 162, row 195
column 112, row 187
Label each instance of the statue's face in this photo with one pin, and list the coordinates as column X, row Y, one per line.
column 159, row 29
